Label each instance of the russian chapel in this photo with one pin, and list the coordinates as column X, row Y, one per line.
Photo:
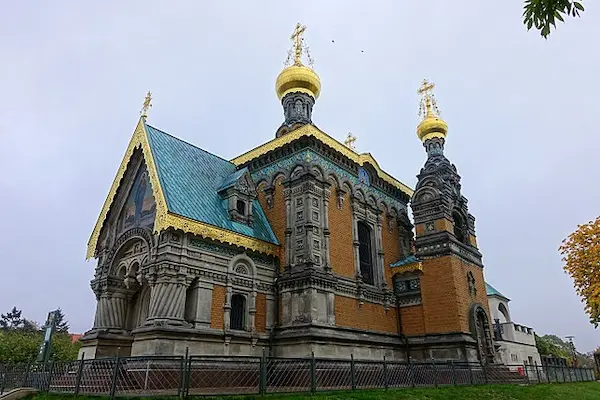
column 301, row 245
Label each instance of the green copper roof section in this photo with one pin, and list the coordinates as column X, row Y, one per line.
column 491, row 291
column 190, row 178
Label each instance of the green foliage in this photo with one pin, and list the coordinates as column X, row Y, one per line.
column 543, row 14
column 22, row 347
column 20, row 339
column 60, row 322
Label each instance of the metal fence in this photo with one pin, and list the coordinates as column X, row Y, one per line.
column 231, row 375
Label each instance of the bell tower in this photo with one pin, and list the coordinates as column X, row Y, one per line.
column 452, row 285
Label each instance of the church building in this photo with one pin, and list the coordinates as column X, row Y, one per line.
column 301, row 245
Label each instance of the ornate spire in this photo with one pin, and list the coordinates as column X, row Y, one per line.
column 297, row 86
column 146, row 106
column 349, row 142
column 431, row 125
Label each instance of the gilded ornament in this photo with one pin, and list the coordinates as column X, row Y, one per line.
column 311, row 130
column 431, row 124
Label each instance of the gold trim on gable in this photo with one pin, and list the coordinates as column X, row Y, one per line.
column 311, row 130
column 222, row 235
column 164, row 219
column 138, row 140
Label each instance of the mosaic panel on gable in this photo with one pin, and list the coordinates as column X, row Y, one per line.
column 140, row 208
column 362, row 181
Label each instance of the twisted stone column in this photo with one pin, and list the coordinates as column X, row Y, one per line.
column 167, row 297
column 111, row 310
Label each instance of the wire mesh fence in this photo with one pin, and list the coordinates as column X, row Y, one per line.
column 233, row 375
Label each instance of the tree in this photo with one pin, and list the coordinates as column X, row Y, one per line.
column 60, row 323
column 581, row 255
column 543, row 14
column 11, row 320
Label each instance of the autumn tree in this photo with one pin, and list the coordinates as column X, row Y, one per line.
column 543, row 14
column 581, row 255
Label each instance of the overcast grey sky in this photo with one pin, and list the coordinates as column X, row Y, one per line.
column 522, row 113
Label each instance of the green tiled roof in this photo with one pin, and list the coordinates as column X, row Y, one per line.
column 190, row 178
column 405, row 261
column 491, row 291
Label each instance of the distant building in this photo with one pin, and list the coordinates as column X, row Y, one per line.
column 75, row 337
column 515, row 342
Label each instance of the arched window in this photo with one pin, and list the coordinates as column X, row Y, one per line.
column 238, row 312
column 459, row 227
column 503, row 313
column 365, row 253
column 241, row 207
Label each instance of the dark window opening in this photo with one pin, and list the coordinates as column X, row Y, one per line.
column 241, row 207
column 365, row 253
column 459, row 227
column 238, row 311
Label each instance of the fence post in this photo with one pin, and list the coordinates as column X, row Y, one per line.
column 435, row 377
column 26, row 375
column 188, row 376
column 79, row 374
column 411, row 374
column 3, row 370
column 352, row 372
column 262, row 382
column 313, row 373
column 470, row 373
column 537, row 370
column 385, row 374
column 485, row 375
column 49, row 380
column 181, row 390
column 453, row 372
column 113, row 384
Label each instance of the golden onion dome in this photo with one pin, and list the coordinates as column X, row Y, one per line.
column 298, row 78
column 432, row 126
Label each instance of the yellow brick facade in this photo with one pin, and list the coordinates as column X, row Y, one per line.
column 373, row 317
column 340, row 241
column 216, row 311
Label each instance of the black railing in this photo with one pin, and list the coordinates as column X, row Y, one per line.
column 231, row 375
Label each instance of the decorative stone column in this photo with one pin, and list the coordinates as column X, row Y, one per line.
column 326, row 231
column 252, row 310
column 380, row 267
column 111, row 310
column 355, row 241
column 167, row 298
column 227, row 307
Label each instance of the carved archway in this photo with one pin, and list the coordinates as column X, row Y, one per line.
column 481, row 331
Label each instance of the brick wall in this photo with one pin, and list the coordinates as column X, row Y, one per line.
column 216, row 312
column 369, row 316
column 260, row 318
column 445, row 293
column 391, row 248
column 341, row 250
column 276, row 215
column 413, row 322
column 438, row 292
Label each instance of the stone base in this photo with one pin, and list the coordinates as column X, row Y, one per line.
column 102, row 344
column 176, row 341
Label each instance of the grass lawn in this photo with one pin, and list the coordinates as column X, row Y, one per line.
column 567, row 391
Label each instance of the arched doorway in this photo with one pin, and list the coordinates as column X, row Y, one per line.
column 480, row 328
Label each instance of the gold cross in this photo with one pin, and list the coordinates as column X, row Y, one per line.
column 297, row 38
column 146, row 106
column 428, row 105
column 426, row 87
column 349, row 142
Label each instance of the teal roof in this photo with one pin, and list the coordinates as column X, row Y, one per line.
column 231, row 179
column 190, row 178
column 405, row 261
column 491, row 291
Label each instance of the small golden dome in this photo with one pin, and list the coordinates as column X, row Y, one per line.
column 432, row 126
column 298, row 78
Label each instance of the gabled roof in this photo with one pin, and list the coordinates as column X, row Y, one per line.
column 231, row 179
column 491, row 291
column 185, row 180
column 311, row 130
